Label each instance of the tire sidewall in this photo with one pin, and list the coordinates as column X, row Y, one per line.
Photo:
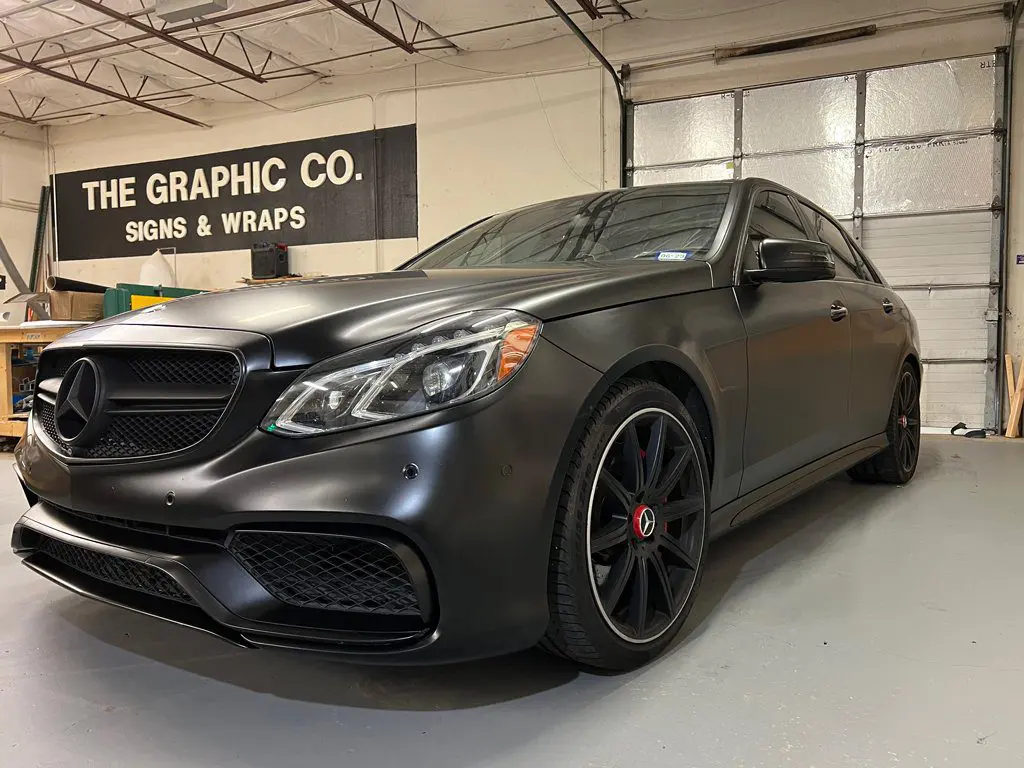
column 894, row 415
column 611, row 414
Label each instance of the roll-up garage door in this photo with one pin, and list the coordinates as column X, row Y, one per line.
column 908, row 159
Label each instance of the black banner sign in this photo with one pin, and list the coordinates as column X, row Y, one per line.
column 358, row 186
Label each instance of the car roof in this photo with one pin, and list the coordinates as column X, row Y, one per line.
column 688, row 187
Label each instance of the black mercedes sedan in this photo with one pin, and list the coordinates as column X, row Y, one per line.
column 527, row 434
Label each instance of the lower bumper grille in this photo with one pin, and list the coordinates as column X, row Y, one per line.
column 118, row 571
column 334, row 573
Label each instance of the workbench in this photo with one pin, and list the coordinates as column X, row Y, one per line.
column 11, row 424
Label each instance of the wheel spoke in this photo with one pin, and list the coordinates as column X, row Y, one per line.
column 638, row 600
column 907, row 400
column 673, row 473
column 663, row 580
column 675, row 550
column 912, row 422
column 618, row 577
column 617, row 489
column 632, row 458
column 655, row 452
column 681, row 509
column 612, row 534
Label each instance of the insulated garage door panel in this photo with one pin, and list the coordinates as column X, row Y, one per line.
column 935, row 175
column 951, row 321
column 686, row 129
column 713, row 171
column 921, row 201
column 931, row 98
column 954, row 392
column 942, row 250
column 948, row 248
column 825, row 175
column 818, row 113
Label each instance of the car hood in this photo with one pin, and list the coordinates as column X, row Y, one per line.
column 308, row 320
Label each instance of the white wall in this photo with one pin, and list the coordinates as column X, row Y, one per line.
column 483, row 147
column 22, row 174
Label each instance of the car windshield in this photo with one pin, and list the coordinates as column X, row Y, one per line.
column 620, row 226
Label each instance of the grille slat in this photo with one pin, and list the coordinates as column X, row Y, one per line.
column 327, row 572
column 139, row 435
column 118, row 571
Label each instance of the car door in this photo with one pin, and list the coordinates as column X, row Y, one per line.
column 798, row 356
column 877, row 331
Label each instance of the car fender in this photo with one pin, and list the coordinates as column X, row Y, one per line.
column 706, row 343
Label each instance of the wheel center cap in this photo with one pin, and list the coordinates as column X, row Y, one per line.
column 643, row 521
column 903, row 421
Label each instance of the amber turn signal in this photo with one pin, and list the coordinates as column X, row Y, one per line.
column 514, row 349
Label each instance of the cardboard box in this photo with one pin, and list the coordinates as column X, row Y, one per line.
column 76, row 305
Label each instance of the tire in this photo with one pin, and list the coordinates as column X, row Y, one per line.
column 897, row 464
column 622, row 580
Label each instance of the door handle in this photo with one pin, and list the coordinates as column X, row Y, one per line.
column 837, row 312
column 887, row 306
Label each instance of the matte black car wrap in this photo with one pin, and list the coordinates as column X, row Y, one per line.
column 434, row 535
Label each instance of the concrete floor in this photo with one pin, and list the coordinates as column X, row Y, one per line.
column 856, row 626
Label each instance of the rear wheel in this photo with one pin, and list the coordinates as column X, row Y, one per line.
column 631, row 532
column 897, row 464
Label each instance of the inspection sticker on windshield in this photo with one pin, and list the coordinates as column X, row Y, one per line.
column 675, row 255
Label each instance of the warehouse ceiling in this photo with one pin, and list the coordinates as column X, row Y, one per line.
column 71, row 60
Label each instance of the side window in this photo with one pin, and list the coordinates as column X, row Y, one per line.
column 773, row 216
column 848, row 263
column 866, row 270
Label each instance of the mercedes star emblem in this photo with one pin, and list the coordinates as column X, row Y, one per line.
column 79, row 399
column 643, row 521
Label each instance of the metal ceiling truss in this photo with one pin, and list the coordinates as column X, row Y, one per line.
column 126, row 41
column 169, row 39
column 84, row 83
column 385, row 17
column 595, row 10
column 391, row 23
column 161, row 36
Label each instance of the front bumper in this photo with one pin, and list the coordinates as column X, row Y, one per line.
column 472, row 529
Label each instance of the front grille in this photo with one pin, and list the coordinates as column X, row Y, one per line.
column 198, row 367
column 118, row 571
column 194, row 369
column 44, row 412
column 157, row 401
column 331, row 573
column 147, row 434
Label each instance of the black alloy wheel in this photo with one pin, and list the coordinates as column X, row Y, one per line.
column 908, row 422
column 897, row 464
column 631, row 531
column 646, row 526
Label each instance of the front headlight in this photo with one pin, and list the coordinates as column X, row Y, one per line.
column 448, row 362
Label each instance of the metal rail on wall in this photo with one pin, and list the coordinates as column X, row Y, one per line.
column 1004, row 230
column 623, row 112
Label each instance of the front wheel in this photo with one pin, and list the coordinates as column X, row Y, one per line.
column 897, row 464
column 631, row 532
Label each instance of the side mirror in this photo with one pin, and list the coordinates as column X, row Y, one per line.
column 793, row 261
